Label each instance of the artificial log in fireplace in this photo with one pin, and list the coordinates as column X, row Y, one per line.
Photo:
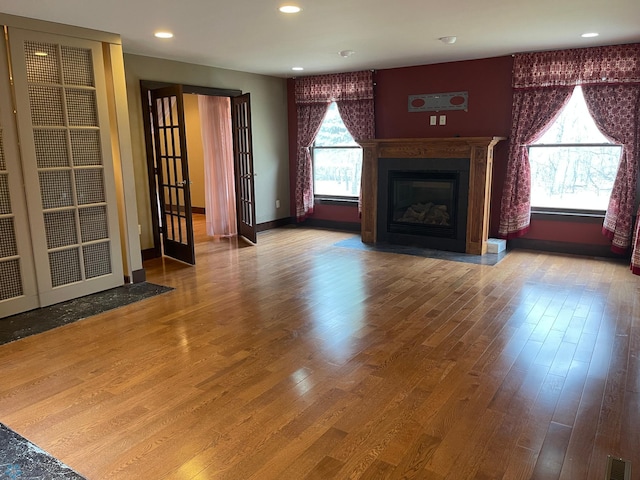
column 431, row 192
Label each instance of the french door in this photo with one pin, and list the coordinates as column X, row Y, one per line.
column 169, row 184
column 69, row 197
column 172, row 171
column 18, row 287
column 243, row 163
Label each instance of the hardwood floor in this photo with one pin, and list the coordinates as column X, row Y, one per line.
column 297, row 359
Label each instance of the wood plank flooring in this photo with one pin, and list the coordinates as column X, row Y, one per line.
column 297, row 359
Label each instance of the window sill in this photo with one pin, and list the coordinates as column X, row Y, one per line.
column 341, row 201
column 567, row 216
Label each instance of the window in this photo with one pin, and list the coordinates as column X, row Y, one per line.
column 337, row 159
column 573, row 166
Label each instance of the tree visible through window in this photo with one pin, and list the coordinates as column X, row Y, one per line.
column 573, row 165
column 337, row 159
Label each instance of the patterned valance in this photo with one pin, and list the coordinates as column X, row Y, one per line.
column 335, row 87
column 580, row 66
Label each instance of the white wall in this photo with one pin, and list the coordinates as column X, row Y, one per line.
column 269, row 125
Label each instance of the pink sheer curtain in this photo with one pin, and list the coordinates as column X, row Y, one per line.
column 534, row 110
column 616, row 111
column 615, row 67
column 353, row 92
column 217, row 141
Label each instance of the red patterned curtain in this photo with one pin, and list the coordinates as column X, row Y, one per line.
column 534, row 110
column 335, row 87
column 616, row 111
column 310, row 116
column 617, row 65
column 358, row 117
column 353, row 92
column 583, row 66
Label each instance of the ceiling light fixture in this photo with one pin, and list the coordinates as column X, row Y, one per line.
column 163, row 34
column 450, row 40
column 297, row 69
column 41, row 54
column 346, row 53
column 589, row 35
column 290, row 9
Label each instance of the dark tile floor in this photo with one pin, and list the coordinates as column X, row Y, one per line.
column 40, row 320
column 21, row 459
column 486, row 259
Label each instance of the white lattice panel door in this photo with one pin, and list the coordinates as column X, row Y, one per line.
column 18, row 291
column 63, row 124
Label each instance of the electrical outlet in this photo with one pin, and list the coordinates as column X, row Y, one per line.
column 432, row 120
column 443, row 119
column 277, row 203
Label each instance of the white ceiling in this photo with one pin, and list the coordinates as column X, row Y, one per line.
column 252, row 36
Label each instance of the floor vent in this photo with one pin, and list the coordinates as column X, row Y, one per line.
column 618, row 469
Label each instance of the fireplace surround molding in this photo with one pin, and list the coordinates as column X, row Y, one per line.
column 479, row 151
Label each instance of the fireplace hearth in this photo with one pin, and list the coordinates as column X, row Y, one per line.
column 430, row 192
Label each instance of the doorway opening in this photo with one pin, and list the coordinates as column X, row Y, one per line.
column 186, row 168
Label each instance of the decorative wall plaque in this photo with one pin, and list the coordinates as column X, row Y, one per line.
column 438, row 102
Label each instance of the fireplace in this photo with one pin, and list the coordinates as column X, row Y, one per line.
column 445, row 175
column 423, row 203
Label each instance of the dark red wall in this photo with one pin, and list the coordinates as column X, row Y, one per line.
column 488, row 83
column 572, row 232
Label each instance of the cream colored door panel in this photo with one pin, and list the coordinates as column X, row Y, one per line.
column 18, row 289
column 63, row 127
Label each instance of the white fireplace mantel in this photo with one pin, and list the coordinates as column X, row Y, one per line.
column 479, row 151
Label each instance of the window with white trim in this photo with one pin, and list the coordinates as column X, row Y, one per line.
column 573, row 165
column 337, row 159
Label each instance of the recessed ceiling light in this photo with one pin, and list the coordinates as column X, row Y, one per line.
column 450, row 40
column 346, row 53
column 589, row 35
column 164, row 34
column 297, row 69
column 41, row 54
column 289, row 9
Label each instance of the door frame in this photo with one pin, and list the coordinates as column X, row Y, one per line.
column 145, row 88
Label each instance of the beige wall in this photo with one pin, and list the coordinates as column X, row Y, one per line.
column 269, row 125
column 195, row 149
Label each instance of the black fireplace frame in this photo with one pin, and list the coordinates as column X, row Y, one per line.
column 454, row 239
